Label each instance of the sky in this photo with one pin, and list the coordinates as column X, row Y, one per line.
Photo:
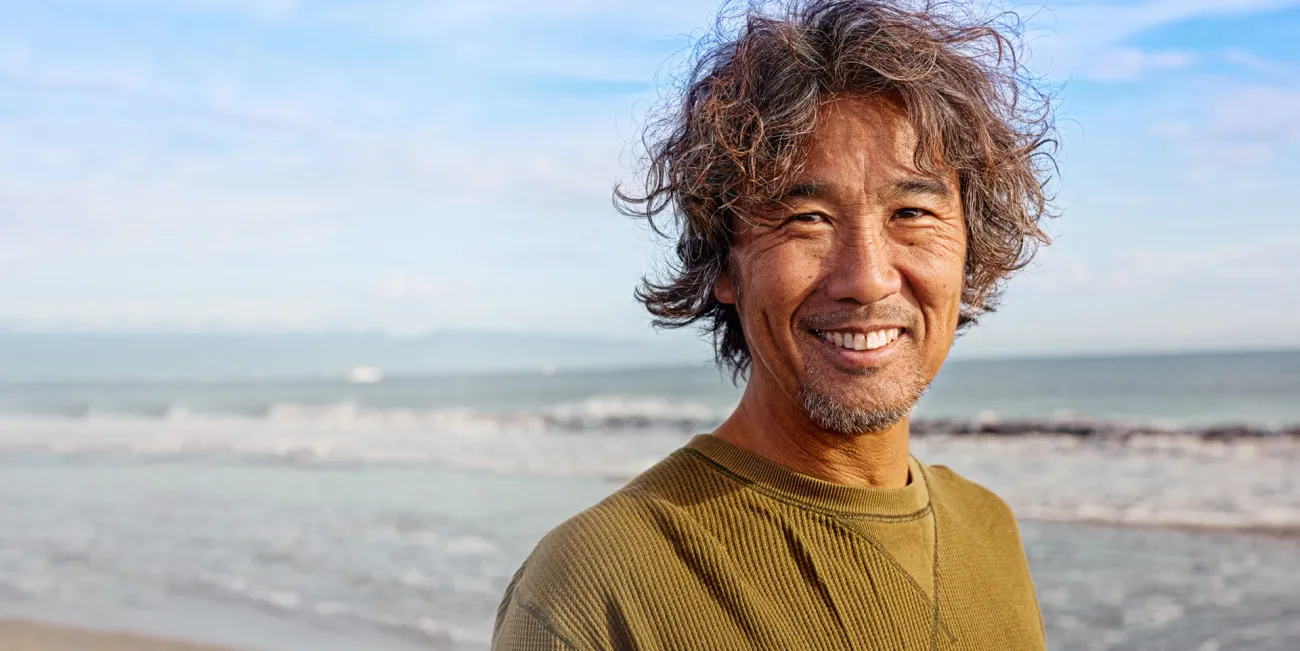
column 415, row 166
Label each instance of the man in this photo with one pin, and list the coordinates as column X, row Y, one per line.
column 851, row 182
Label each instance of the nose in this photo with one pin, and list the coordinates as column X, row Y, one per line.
column 862, row 270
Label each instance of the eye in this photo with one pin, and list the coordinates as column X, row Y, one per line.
column 911, row 213
column 806, row 218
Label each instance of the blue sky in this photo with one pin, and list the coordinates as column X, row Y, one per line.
column 305, row 165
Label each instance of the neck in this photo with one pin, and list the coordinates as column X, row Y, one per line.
column 773, row 425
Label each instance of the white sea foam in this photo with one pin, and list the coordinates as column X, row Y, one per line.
column 508, row 444
column 1163, row 480
column 597, row 412
column 1171, row 481
column 326, row 504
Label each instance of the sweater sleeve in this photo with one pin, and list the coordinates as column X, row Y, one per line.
column 519, row 628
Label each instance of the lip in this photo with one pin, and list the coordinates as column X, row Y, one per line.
column 860, row 358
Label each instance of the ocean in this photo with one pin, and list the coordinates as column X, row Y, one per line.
column 1159, row 497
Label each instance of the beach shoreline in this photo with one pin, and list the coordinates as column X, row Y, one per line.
column 26, row 635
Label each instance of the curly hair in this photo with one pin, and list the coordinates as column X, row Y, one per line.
column 738, row 133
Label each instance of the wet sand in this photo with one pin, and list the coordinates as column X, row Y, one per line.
column 31, row 636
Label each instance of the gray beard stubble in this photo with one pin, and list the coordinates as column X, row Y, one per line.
column 834, row 416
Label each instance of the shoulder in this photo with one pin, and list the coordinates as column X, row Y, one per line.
column 594, row 549
column 668, row 490
column 610, row 552
column 967, row 502
column 984, row 559
column 948, row 485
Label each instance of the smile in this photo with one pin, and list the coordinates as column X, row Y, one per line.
column 858, row 340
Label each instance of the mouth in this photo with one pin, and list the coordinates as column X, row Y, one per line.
column 861, row 346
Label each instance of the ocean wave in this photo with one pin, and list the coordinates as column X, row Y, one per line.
column 594, row 414
column 1046, row 471
column 1278, row 521
column 607, row 437
column 516, row 444
column 608, row 414
column 282, row 601
column 597, row 413
column 990, row 425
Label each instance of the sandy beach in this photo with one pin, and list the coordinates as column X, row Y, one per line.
column 332, row 516
column 31, row 636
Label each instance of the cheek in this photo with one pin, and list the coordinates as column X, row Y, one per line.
column 937, row 273
column 780, row 274
column 774, row 282
column 936, row 277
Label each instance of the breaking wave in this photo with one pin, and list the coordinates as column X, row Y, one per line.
column 599, row 413
column 1062, row 470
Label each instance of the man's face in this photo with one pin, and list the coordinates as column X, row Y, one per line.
column 849, row 288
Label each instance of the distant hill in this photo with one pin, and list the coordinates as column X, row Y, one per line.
column 50, row 356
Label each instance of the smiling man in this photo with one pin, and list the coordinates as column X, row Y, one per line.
column 850, row 182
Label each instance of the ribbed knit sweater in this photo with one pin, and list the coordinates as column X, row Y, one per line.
column 718, row 548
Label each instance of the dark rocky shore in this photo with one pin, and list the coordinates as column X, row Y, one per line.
column 1093, row 429
column 1081, row 428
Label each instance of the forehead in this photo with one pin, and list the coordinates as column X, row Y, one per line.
column 862, row 137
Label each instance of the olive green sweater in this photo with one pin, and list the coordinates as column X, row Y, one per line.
column 718, row 548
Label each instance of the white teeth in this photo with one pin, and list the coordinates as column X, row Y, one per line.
column 858, row 341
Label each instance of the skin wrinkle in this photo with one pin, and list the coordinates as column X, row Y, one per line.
column 852, row 259
column 752, row 98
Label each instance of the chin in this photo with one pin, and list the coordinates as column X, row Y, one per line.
column 852, row 421
column 877, row 402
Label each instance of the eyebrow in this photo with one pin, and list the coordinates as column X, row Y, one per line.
column 923, row 185
column 808, row 189
column 910, row 186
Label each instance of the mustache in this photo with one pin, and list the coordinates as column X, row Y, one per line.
column 874, row 313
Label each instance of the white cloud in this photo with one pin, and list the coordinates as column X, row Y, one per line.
column 287, row 175
column 140, row 82
column 1089, row 39
column 1255, row 63
column 1146, row 298
column 405, row 286
column 254, row 9
column 1257, row 114
column 1235, row 124
column 1173, row 128
column 1130, row 63
column 1191, row 270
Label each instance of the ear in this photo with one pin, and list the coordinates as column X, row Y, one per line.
column 724, row 289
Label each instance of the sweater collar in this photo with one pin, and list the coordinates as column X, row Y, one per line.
column 762, row 473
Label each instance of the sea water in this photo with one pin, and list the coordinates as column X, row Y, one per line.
column 290, row 514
